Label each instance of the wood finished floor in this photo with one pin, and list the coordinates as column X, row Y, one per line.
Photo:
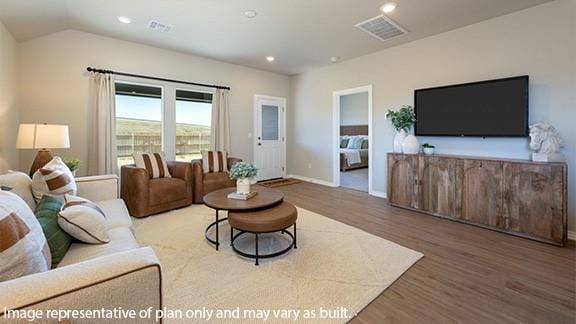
column 468, row 274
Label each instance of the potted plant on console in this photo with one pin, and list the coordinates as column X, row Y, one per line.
column 243, row 172
column 428, row 149
column 402, row 120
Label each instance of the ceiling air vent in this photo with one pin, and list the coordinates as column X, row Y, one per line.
column 158, row 26
column 382, row 28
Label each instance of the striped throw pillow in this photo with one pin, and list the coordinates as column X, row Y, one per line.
column 214, row 161
column 54, row 179
column 23, row 247
column 154, row 163
column 84, row 220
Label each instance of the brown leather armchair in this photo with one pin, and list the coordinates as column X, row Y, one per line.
column 208, row 182
column 145, row 196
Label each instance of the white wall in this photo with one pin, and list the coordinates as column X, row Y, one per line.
column 8, row 95
column 539, row 41
column 54, row 83
column 354, row 109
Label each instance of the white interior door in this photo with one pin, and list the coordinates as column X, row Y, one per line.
column 269, row 136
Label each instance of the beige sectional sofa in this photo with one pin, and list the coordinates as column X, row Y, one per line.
column 120, row 274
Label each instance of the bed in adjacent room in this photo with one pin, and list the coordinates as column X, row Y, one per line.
column 353, row 147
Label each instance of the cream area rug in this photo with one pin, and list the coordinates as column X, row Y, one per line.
column 335, row 272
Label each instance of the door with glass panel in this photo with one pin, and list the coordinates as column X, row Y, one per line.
column 270, row 143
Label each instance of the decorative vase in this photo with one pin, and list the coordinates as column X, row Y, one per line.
column 410, row 145
column 398, row 140
column 428, row 150
column 243, row 186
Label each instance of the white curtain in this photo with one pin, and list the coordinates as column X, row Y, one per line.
column 220, row 140
column 102, row 126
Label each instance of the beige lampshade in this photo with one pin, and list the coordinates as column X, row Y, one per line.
column 38, row 136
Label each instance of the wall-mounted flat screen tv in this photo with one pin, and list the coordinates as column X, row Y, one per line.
column 494, row 108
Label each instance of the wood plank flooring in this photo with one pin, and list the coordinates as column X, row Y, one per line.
column 468, row 274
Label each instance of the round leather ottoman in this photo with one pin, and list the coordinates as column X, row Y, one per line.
column 275, row 219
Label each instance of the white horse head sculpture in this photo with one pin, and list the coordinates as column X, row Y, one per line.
column 544, row 138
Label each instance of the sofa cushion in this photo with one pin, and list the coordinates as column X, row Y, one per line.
column 53, row 179
column 23, row 247
column 58, row 240
column 21, row 185
column 121, row 239
column 167, row 190
column 84, row 220
column 116, row 213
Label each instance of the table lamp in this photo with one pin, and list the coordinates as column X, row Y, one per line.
column 42, row 137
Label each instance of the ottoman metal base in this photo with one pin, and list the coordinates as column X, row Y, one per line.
column 257, row 255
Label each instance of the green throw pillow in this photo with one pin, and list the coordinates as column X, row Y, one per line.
column 47, row 214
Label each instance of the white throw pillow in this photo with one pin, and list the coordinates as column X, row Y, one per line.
column 23, row 246
column 21, row 185
column 54, row 179
column 83, row 220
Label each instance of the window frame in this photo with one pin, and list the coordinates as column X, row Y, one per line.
column 189, row 89
column 168, row 106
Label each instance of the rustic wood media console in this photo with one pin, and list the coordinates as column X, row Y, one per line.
column 518, row 197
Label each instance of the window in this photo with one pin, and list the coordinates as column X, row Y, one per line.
column 154, row 118
column 193, row 120
column 138, row 120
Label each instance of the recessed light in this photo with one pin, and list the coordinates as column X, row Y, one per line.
column 124, row 19
column 270, row 58
column 250, row 13
column 334, row 59
column 388, row 7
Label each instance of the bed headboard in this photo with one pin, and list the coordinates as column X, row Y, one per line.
column 353, row 130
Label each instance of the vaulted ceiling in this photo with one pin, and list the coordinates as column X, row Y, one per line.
column 300, row 34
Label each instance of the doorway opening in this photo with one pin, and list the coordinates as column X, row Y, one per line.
column 353, row 139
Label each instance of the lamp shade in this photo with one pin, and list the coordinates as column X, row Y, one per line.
column 38, row 136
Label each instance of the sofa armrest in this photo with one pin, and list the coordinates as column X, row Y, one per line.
column 98, row 188
column 130, row 280
column 135, row 189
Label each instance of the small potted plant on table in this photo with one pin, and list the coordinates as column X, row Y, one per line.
column 243, row 172
column 428, row 149
column 73, row 165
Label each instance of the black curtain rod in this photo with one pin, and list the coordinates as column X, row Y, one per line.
column 91, row 69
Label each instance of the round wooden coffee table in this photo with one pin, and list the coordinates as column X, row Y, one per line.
column 218, row 200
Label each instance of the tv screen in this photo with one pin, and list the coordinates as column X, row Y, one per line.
column 486, row 108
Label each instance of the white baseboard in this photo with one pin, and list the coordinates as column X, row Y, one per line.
column 313, row 180
column 380, row 194
column 572, row 236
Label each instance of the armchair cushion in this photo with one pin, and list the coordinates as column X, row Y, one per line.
column 214, row 161
column 154, row 163
column 166, row 190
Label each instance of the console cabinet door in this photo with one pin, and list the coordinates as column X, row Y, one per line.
column 479, row 192
column 437, row 185
column 402, row 180
column 533, row 200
